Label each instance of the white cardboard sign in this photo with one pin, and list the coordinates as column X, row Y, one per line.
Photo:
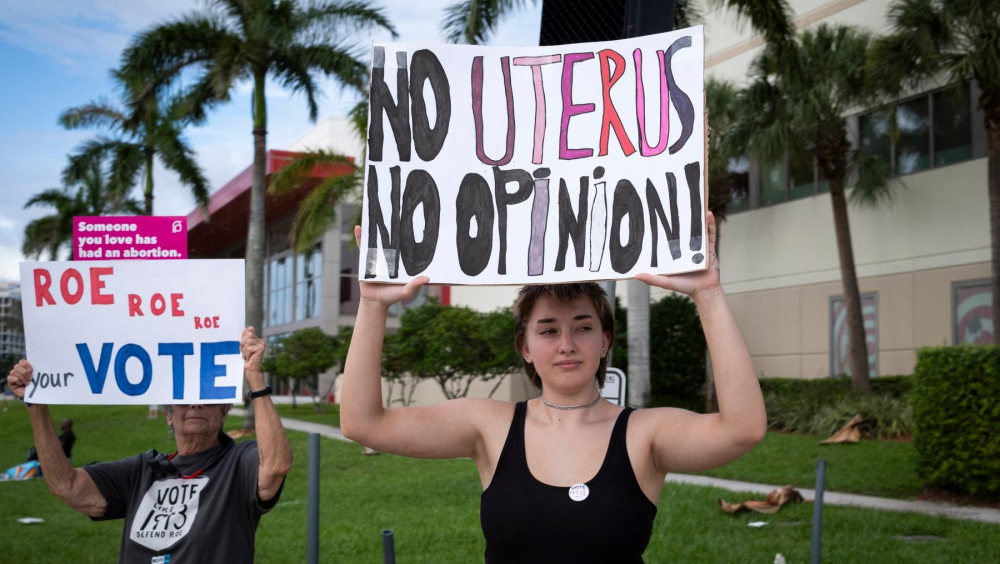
column 134, row 332
column 514, row 165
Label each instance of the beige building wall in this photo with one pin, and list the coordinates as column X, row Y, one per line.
column 780, row 265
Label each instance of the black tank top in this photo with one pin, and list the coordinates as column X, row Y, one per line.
column 525, row 520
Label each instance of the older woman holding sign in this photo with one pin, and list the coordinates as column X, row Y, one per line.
column 566, row 477
column 200, row 504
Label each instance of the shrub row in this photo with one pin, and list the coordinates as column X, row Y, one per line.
column 956, row 408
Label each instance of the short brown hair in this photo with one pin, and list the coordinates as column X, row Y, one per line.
column 525, row 302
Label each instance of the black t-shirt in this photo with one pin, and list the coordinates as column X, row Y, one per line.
column 192, row 516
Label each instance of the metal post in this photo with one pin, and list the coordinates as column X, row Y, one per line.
column 312, row 531
column 388, row 547
column 818, row 510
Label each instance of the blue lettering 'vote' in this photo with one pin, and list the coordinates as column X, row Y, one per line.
column 210, row 369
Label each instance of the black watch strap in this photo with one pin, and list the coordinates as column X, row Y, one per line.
column 260, row 393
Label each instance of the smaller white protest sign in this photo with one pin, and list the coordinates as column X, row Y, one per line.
column 134, row 332
column 614, row 386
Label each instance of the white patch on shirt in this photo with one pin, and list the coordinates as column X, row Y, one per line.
column 167, row 512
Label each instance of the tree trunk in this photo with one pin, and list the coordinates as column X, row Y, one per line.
column 993, row 180
column 255, row 231
column 294, row 382
column 638, row 384
column 149, row 182
column 860, row 380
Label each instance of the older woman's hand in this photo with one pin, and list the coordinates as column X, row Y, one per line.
column 252, row 348
column 19, row 377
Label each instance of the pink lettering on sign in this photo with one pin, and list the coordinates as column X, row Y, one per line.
column 129, row 237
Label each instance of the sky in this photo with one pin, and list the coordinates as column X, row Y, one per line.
column 57, row 54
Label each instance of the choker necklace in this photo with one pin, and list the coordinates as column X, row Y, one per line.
column 567, row 407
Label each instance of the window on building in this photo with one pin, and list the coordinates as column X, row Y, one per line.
column 840, row 345
column 801, row 176
column 913, row 139
column 739, row 171
column 772, row 183
column 279, row 296
column 931, row 130
column 308, row 279
column 952, row 125
column 972, row 314
column 874, row 134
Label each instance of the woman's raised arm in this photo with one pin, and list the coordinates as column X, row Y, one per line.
column 445, row 430
column 683, row 441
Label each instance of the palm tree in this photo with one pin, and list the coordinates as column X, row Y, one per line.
column 796, row 104
column 236, row 40
column 88, row 193
column 145, row 131
column 722, row 97
column 957, row 41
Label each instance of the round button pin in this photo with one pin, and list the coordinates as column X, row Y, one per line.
column 579, row 492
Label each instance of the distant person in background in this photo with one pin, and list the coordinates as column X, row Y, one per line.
column 154, row 410
column 67, row 438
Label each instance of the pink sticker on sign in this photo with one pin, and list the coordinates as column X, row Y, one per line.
column 129, row 237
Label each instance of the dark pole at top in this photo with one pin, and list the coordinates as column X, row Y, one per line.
column 646, row 17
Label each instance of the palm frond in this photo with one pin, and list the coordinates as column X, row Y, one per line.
column 334, row 18
column 317, row 212
column 770, row 18
column 163, row 51
column 292, row 175
column 293, row 73
column 52, row 197
column 94, row 114
column 876, row 186
column 41, row 235
column 341, row 63
column 686, row 14
column 177, row 156
column 472, row 21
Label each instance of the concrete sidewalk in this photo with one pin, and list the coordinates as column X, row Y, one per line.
column 982, row 514
column 328, row 431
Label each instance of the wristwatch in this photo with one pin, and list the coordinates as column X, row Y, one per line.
column 259, row 393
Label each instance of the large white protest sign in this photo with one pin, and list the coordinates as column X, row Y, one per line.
column 511, row 165
column 134, row 332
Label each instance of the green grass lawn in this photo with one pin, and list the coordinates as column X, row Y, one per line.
column 878, row 468
column 307, row 412
column 433, row 508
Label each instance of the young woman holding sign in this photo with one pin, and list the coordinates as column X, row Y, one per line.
column 566, row 477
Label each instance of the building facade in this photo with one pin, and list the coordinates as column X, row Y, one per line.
column 922, row 259
column 11, row 330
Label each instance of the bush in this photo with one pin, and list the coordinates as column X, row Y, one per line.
column 676, row 354
column 956, row 408
column 885, row 417
column 823, row 406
